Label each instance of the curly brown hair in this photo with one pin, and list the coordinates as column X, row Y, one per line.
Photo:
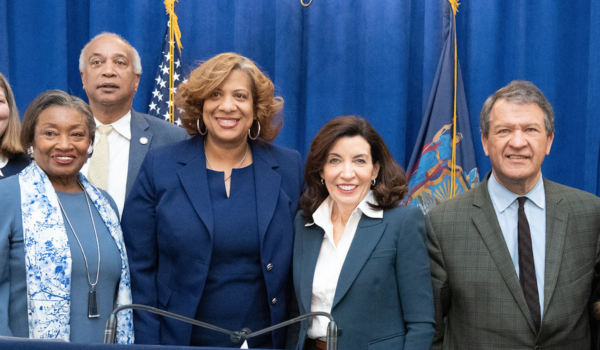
column 210, row 74
column 391, row 184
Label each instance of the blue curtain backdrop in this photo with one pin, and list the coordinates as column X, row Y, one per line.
column 376, row 59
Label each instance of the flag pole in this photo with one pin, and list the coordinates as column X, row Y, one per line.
column 454, row 4
column 174, row 34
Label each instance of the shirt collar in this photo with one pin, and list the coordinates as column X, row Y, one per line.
column 503, row 198
column 3, row 162
column 122, row 126
column 322, row 216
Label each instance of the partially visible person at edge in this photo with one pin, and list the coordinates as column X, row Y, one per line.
column 12, row 157
column 60, row 239
column 357, row 254
column 208, row 223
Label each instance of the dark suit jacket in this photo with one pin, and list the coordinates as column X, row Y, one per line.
column 168, row 226
column 15, row 165
column 383, row 299
column 158, row 133
column 475, row 284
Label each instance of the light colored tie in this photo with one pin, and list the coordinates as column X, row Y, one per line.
column 98, row 171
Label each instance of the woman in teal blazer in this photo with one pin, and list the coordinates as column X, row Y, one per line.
column 357, row 254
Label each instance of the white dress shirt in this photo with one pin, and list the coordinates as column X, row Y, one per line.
column 118, row 144
column 507, row 212
column 331, row 258
column 3, row 162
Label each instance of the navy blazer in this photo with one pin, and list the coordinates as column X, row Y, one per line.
column 383, row 298
column 156, row 132
column 168, row 227
column 15, row 165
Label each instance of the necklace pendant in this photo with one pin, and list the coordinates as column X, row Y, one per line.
column 93, row 303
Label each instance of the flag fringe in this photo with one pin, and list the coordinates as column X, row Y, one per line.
column 453, row 3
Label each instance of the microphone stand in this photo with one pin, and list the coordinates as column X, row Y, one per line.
column 236, row 337
column 332, row 329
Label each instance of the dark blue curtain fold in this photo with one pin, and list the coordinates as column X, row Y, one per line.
column 556, row 46
column 376, row 59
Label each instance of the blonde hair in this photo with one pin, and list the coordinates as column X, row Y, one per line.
column 210, row 74
column 10, row 144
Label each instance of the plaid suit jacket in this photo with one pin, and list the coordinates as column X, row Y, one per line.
column 478, row 299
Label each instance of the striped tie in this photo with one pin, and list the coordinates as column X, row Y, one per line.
column 527, row 266
column 98, row 172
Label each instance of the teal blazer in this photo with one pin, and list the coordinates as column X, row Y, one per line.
column 384, row 297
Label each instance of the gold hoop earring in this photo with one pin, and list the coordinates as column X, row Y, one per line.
column 258, row 133
column 198, row 128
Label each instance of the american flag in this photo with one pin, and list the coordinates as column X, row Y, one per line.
column 159, row 102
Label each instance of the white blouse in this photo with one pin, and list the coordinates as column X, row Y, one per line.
column 3, row 162
column 331, row 258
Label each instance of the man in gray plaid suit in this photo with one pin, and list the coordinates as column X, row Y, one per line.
column 510, row 272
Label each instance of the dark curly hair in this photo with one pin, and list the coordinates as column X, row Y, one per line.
column 391, row 185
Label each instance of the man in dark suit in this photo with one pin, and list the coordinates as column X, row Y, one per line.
column 512, row 260
column 110, row 71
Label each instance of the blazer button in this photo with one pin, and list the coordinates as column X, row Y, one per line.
column 273, row 301
column 269, row 267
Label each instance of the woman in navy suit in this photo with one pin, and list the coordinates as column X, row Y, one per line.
column 357, row 254
column 12, row 158
column 208, row 223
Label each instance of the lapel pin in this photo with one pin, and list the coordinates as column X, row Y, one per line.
column 143, row 140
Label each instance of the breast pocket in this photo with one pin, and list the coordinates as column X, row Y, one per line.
column 383, row 253
column 582, row 271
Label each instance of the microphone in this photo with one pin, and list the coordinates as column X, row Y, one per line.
column 111, row 324
column 236, row 336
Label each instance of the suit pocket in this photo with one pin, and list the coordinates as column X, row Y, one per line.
column 582, row 271
column 395, row 341
column 163, row 293
column 383, row 253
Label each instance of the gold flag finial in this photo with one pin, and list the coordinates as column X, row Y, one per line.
column 170, row 6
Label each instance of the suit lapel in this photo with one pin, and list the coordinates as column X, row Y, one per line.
column 556, row 230
column 194, row 180
column 367, row 236
column 311, row 240
column 485, row 220
column 267, row 183
column 137, row 150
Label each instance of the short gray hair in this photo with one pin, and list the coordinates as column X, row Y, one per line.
column 137, row 61
column 519, row 92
